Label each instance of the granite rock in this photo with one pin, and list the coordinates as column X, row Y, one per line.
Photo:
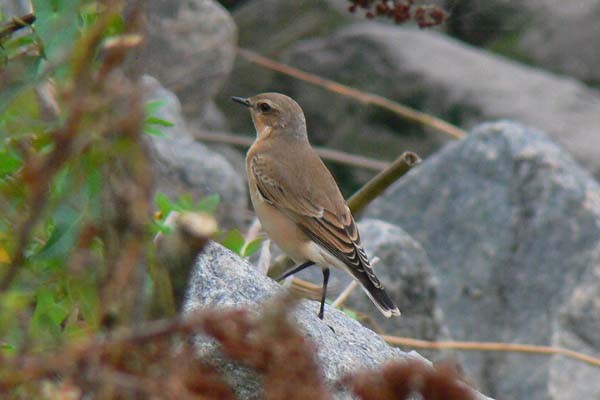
column 511, row 225
column 184, row 166
column 222, row 279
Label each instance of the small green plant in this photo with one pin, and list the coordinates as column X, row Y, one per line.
column 152, row 123
column 232, row 239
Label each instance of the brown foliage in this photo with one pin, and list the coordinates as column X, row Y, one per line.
column 400, row 379
column 273, row 346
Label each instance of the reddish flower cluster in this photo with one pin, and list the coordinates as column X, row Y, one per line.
column 401, row 11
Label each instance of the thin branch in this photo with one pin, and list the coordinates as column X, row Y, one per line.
column 364, row 97
column 327, row 154
column 382, row 181
column 491, row 346
column 15, row 24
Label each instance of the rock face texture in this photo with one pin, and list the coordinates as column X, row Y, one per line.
column 190, row 49
column 511, row 225
column 443, row 76
column 548, row 33
column 184, row 166
column 222, row 279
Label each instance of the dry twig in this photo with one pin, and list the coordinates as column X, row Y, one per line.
column 16, row 24
column 405, row 112
column 491, row 346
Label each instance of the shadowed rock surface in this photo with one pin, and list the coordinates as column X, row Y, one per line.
column 190, row 49
column 511, row 225
column 184, row 166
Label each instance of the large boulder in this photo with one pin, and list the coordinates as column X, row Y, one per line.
column 184, row 166
column 577, row 329
column 190, row 49
column 511, row 225
column 222, row 279
column 550, row 33
column 441, row 76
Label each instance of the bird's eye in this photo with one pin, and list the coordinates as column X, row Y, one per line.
column 264, row 107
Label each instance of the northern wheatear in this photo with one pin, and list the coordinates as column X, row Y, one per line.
column 298, row 201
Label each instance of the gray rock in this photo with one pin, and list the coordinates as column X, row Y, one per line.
column 14, row 8
column 190, row 49
column 169, row 108
column 183, row 166
column 222, row 279
column 511, row 225
column 578, row 329
column 547, row 33
column 560, row 37
column 283, row 23
column 406, row 271
column 440, row 76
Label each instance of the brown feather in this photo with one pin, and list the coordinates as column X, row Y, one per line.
column 319, row 209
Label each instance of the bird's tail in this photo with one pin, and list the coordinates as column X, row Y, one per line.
column 378, row 295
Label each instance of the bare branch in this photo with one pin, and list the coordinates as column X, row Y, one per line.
column 382, row 181
column 16, row 24
column 403, row 111
column 491, row 346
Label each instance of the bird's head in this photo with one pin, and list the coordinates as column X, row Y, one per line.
column 275, row 113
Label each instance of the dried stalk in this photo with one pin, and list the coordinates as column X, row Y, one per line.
column 364, row 97
column 491, row 346
column 16, row 24
column 382, row 181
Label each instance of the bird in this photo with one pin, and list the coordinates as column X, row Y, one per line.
column 298, row 201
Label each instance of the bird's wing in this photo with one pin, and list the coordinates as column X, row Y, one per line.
column 318, row 209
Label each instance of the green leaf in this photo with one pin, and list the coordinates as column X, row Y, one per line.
column 152, row 131
column 151, row 107
column 56, row 23
column 63, row 236
column 158, row 121
column 234, row 241
column 9, row 162
column 208, row 204
column 185, row 203
column 22, row 114
column 252, row 247
column 6, row 346
column 163, row 203
column 160, row 227
column 84, row 292
column 49, row 313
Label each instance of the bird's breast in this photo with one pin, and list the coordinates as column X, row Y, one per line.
column 280, row 228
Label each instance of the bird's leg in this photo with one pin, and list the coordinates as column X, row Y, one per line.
column 324, row 294
column 295, row 270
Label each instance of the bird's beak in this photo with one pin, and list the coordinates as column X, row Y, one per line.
column 241, row 100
